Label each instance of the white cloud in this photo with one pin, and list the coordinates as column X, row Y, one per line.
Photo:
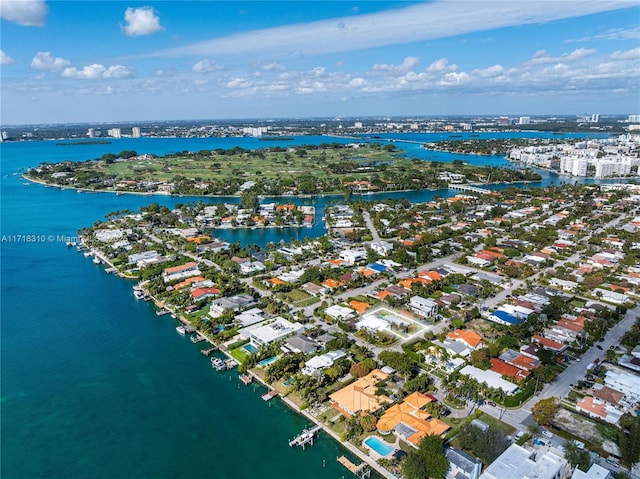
column 238, row 83
column 489, row 72
column 612, row 34
column 32, row 13
column 97, row 72
column 626, row 55
column 273, row 67
column 96, row 91
column 46, row 61
column 414, row 23
column 5, row 59
column 441, row 65
column 408, row 64
column 206, row 66
column 541, row 56
column 141, row 21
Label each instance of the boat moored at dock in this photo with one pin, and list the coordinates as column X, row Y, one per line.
column 218, row 364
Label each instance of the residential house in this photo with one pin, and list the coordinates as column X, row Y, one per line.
column 180, row 272
column 462, row 465
column 279, row 329
column 410, row 421
column 360, row 396
column 517, row 462
column 423, row 307
column 383, row 248
column 318, row 363
column 466, row 336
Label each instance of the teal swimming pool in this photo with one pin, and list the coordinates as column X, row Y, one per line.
column 379, row 446
column 250, row 348
column 266, row 362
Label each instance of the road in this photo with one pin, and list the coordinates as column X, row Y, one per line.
column 369, row 223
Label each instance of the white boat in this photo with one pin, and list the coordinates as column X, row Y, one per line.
column 139, row 294
column 97, row 260
column 218, row 364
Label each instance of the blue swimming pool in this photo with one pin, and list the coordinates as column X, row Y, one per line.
column 250, row 348
column 379, row 446
column 266, row 362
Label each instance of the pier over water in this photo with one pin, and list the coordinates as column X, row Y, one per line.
column 307, row 436
column 360, row 471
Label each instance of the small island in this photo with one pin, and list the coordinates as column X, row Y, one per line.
column 277, row 171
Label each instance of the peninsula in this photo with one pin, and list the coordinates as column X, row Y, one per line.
column 276, row 171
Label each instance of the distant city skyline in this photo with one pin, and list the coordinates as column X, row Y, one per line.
column 99, row 61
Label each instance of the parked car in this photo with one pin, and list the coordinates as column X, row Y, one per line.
column 491, row 403
column 547, row 434
column 599, row 347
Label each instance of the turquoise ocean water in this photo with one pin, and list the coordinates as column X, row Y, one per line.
column 93, row 383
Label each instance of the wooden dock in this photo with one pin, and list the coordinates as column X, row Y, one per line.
column 207, row 352
column 269, row 395
column 360, row 471
column 246, row 378
column 307, row 436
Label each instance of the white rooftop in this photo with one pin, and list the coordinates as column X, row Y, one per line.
column 520, row 463
column 491, row 378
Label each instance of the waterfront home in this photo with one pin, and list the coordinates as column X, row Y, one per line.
column 360, row 396
column 318, row 363
column 146, row 258
column 108, row 235
column 410, row 421
column 233, row 303
column 199, row 294
column 279, row 329
column 180, row 272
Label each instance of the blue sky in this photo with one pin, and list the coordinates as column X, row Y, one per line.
column 103, row 61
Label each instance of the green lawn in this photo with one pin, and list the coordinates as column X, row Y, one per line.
column 240, row 354
column 503, row 427
column 297, row 295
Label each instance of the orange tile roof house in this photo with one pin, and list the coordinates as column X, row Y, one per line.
column 505, row 369
column 360, row 396
column 180, row 272
column 410, row 421
column 468, row 337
